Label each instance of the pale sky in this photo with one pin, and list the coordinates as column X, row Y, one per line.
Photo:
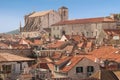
column 13, row 11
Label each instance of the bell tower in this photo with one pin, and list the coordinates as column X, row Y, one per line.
column 63, row 11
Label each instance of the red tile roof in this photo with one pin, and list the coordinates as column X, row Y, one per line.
column 7, row 57
column 83, row 21
column 62, row 60
column 45, row 60
column 88, row 45
column 43, row 66
column 38, row 42
column 56, row 55
column 112, row 32
column 3, row 45
column 105, row 50
column 42, row 13
column 75, row 37
column 51, row 66
column 56, row 44
column 68, row 48
column 74, row 60
column 24, row 41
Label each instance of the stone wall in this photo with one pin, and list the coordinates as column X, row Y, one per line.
column 83, row 63
column 89, row 29
column 30, row 34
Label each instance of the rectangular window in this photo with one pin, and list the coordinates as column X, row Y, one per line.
column 55, row 67
column 90, row 69
column 79, row 69
column 6, row 68
column 92, row 33
column 87, row 33
column 57, row 28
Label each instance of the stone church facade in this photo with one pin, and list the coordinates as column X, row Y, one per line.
column 36, row 22
column 90, row 27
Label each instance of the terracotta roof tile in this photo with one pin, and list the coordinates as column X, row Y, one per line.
column 112, row 32
column 82, row 21
column 75, row 37
column 56, row 44
column 38, row 42
column 62, row 60
column 3, row 45
column 68, row 48
column 42, row 65
column 40, row 13
column 80, row 45
column 51, row 66
column 45, row 60
column 24, row 41
column 74, row 60
column 106, row 52
column 89, row 44
column 6, row 57
column 56, row 55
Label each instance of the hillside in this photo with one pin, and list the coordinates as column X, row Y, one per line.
column 14, row 32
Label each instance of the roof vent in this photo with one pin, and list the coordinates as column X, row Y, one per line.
column 97, row 60
column 117, row 52
column 69, row 63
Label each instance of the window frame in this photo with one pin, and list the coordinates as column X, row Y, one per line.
column 90, row 68
column 79, row 69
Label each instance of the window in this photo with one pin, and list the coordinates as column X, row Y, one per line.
column 6, row 68
column 90, row 69
column 54, row 36
column 79, row 69
column 57, row 28
column 92, row 33
column 55, row 67
column 63, row 32
column 58, row 36
column 87, row 33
